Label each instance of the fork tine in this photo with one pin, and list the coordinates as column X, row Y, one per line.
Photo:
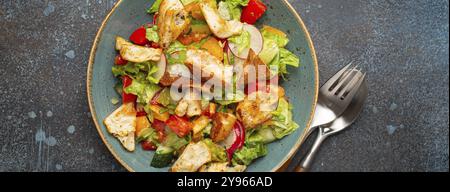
column 334, row 80
column 344, row 80
column 352, row 88
column 351, row 83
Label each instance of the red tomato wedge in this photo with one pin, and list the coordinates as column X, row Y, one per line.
column 152, row 45
column 253, row 11
column 159, row 126
column 120, row 61
column 126, row 98
column 148, row 146
column 138, row 36
column 140, row 110
column 180, row 125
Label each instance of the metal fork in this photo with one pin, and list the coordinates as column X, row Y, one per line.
column 335, row 95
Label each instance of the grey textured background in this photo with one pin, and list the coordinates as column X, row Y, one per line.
column 403, row 44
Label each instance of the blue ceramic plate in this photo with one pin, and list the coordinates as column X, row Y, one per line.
column 127, row 15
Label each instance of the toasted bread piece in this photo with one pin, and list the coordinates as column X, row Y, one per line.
column 193, row 157
column 139, row 54
column 219, row 26
column 222, row 167
column 172, row 21
column 122, row 124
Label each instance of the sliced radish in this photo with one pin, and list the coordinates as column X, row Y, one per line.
column 256, row 38
column 232, row 57
column 256, row 42
column 162, row 63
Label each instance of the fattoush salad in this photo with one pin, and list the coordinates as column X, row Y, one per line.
column 199, row 85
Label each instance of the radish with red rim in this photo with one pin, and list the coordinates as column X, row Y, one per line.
column 162, row 63
column 256, row 43
column 233, row 59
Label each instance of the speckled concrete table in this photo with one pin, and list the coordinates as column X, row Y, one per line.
column 403, row 44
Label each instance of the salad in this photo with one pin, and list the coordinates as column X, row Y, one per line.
column 199, row 86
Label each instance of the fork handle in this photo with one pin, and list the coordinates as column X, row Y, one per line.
column 306, row 163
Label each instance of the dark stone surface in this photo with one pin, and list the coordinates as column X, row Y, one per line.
column 403, row 45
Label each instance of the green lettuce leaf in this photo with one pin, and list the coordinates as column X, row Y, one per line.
column 128, row 69
column 141, row 71
column 288, row 58
column 172, row 140
column 164, row 97
column 261, row 135
column 281, row 40
column 242, row 41
column 270, row 51
column 284, row 58
column 248, row 153
column 218, row 152
column 273, row 52
column 152, row 34
column 148, row 134
column 231, row 9
column 144, row 90
column 176, row 53
column 236, row 3
column 282, row 122
column 155, row 7
column 152, row 70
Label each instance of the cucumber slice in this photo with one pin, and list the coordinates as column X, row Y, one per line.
column 163, row 157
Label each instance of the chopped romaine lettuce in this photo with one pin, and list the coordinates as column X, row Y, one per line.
column 172, row 140
column 269, row 52
column 284, row 58
column 141, row 71
column 288, row 58
column 270, row 33
column 155, row 7
column 148, row 134
column 176, row 53
column 274, row 54
column 248, row 153
column 143, row 90
column 236, row 3
column 164, row 97
column 282, row 122
column 128, row 69
column 231, row 9
column 263, row 134
column 152, row 34
column 242, row 41
column 153, row 69
column 176, row 47
column 217, row 152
